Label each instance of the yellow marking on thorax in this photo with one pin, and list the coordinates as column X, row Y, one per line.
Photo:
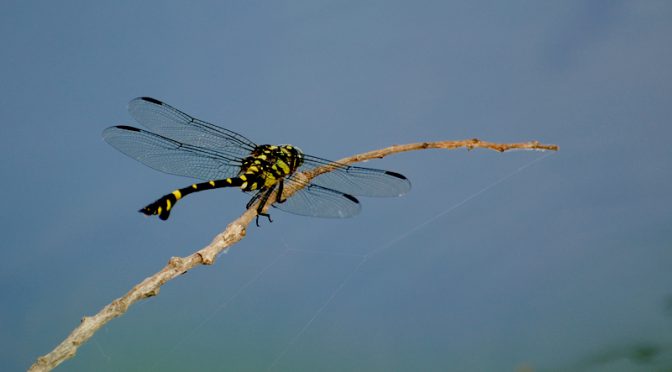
column 178, row 194
column 283, row 166
column 244, row 185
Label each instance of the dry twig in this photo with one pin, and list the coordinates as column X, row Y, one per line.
column 233, row 233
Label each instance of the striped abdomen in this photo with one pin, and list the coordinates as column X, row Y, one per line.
column 163, row 205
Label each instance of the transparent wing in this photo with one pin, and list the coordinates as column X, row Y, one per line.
column 170, row 156
column 358, row 181
column 318, row 201
column 172, row 123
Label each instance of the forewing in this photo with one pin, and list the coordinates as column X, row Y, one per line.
column 172, row 123
column 170, row 156
column 358, row 181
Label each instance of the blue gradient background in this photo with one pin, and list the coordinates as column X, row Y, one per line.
column 493, row 262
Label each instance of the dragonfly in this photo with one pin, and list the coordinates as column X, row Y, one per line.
column 177, row 143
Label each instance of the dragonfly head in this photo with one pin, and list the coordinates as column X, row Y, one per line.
column 293, row 157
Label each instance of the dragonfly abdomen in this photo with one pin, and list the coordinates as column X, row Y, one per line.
column 163, row 205
column 261, row 170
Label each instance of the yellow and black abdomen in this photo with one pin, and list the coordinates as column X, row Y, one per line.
column 163, row 205
column 260, row 171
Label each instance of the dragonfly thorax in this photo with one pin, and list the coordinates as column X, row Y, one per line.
column 272, row 162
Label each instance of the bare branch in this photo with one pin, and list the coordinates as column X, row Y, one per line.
column 447, row 145
column 233, row 233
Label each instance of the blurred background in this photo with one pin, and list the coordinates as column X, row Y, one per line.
column 521, row 261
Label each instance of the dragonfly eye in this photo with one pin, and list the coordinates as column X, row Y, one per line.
column 298, row 160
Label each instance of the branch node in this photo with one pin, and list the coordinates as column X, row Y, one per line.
column 175, row 262
column 472, row 143
column 243, row 230
column 208, row 257
column 119, row 306
column 151, row 293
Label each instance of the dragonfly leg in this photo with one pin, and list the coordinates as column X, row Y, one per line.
column 278, row 198
column 265, row 215
column 262, row 204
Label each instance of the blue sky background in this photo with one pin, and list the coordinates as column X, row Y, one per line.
column 492, row 262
